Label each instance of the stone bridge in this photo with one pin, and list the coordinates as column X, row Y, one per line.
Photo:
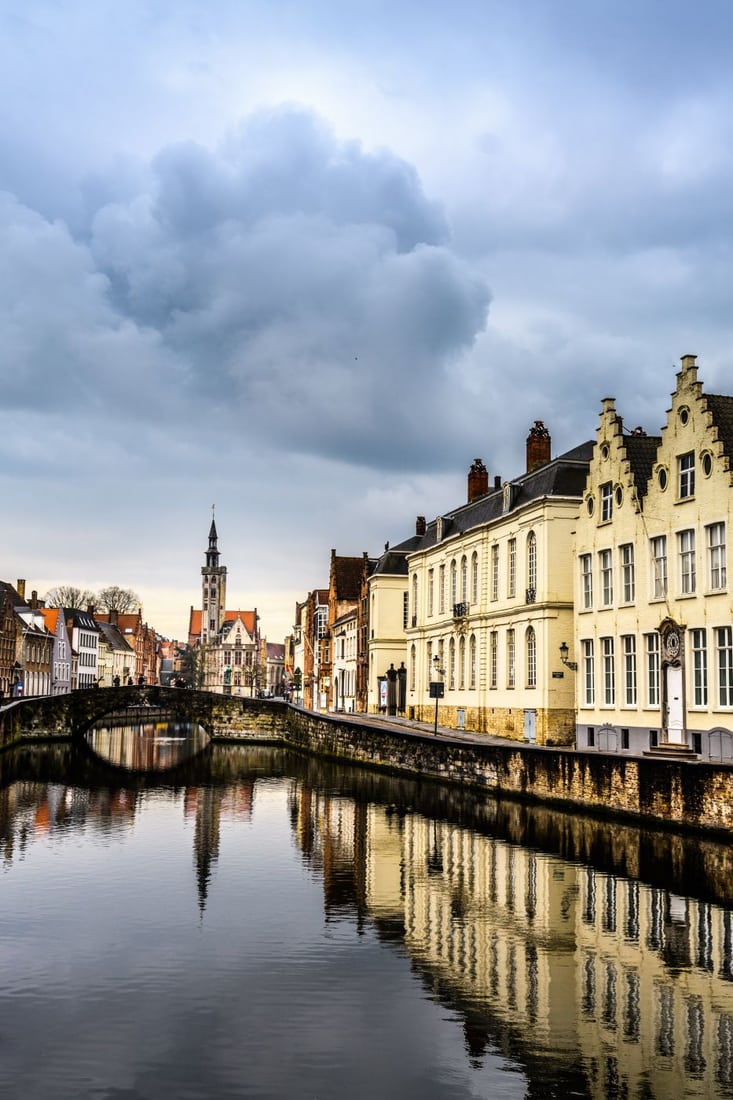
column 73, row 714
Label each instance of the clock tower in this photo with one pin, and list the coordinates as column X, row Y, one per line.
column 213, row 589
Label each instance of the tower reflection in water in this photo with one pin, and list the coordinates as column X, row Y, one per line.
column 630, row 983
column 145, row 745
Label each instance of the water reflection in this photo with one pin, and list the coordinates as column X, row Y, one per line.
column 140, row 743
column 607, row 974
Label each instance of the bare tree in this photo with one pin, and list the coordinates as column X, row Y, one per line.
column 122, row 600
column 67, row 595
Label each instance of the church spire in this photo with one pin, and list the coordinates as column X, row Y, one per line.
column 212, row 554
column 213, row 588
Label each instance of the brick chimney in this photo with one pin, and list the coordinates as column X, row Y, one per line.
column 113, row 617
column 34, row 600
column 20, row 588
column 539, row 446
column 420, row 526
column 478, row 480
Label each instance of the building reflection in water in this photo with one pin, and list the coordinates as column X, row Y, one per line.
column 609, row 984
column 630, row 983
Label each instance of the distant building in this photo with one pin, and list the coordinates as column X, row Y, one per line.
column 225, row 644
column 61, row 659
column 84, row 635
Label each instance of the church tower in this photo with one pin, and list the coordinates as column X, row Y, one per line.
column 213, row 590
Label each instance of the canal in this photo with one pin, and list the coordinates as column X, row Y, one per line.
column 255, row 923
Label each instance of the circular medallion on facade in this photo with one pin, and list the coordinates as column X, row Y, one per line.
column 673, row 643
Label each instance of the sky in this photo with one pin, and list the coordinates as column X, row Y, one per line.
column 304, row 261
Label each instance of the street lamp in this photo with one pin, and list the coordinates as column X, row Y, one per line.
column 572, row 665
column 437, row 689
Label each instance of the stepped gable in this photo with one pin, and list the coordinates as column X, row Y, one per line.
column 347, row 573
column 564, row 476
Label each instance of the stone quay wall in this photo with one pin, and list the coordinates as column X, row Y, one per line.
column 681, row 793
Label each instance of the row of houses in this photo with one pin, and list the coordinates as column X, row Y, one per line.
column 584, row 601
column 51, row 650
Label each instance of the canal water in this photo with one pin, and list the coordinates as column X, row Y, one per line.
column 254, row 923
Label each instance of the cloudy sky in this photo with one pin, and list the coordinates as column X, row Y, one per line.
column 306, row 260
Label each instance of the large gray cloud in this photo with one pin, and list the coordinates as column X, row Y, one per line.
column 285, row 276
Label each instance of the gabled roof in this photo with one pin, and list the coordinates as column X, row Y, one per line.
column 113, row 637
column 721, row 406
column 641, row 451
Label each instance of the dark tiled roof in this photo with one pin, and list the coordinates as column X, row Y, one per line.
column 641, row 451
column 721, row 407
column 562, row 477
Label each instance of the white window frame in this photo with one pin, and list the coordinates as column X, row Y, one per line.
column 724, row 650
column 511, row 567
column 658, row 554
column 651, row 646
column 717, row 572
column 628, row 645
column 605, row 566
column 628, row 579
column 608, row 661
column 606, row 502
column 589, row 684
column 686, row 475
column 586, row 580
column 699, row 664
column 686, row 554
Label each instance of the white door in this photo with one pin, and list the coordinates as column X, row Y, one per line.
column 530, row 726
column 675, row 712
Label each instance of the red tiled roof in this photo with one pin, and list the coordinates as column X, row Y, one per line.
column 249, row 618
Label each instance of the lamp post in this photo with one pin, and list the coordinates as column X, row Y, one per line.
column 572, row 665
column 436, row 689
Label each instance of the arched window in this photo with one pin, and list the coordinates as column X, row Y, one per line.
column 472, row 661
column 414, row 597
column 531, row 642
column 453, row 583
column 464, row 579
column 462, row 663
column 452, row 665
column 474, row 578
column 412, row 667
column 531, row 567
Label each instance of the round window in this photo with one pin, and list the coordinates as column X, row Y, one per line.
column 707, row 464
column 684, row 414
column 619, row 496
column 604, row 451
column 590, row 504
column 662, row 478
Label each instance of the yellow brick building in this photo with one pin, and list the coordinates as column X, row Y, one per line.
column 490, row 591
column 653, row 626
